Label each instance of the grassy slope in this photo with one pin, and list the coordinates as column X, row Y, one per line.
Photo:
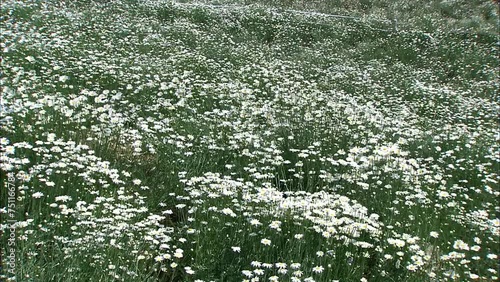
column 202, row 120
column 423, row 15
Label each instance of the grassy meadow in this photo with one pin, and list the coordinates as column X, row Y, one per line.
column 148, row 140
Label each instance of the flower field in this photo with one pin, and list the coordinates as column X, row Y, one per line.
column 147, row 140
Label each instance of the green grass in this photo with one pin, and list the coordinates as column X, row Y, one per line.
column 158, row 141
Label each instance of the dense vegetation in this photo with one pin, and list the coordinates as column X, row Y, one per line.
column 149, row 140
